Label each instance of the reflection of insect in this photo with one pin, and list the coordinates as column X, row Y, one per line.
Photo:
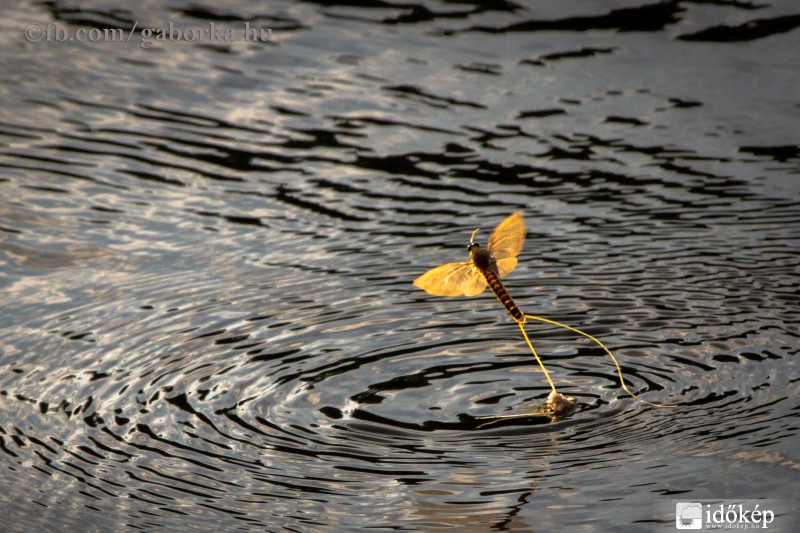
column 485, row 268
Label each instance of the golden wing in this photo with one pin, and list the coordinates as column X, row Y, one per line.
column 452, row 279
column 506, row 243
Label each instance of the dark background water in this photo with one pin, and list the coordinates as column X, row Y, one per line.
column 206, row 254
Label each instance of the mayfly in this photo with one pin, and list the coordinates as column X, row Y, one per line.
column 485, row 268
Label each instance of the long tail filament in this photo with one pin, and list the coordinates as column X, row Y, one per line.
column 616, row 364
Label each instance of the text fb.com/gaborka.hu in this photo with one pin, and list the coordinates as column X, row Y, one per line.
column 147, row 37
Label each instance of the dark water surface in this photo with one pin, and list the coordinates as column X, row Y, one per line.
column 206, row 254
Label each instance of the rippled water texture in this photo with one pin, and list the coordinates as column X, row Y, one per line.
column 206, row 254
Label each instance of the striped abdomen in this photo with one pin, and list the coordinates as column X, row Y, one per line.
column 502, row 294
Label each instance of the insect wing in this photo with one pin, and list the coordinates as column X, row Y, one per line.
column 452, row 279
column 505, row 265
column 508, row 237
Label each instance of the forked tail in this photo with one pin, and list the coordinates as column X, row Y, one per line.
column 603, row 346
column 521, row 318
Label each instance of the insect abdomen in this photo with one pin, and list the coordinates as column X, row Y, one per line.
column 502, row 294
